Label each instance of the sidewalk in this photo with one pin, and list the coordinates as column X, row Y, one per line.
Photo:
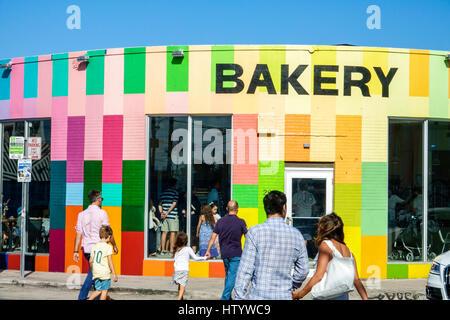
column 198, row 288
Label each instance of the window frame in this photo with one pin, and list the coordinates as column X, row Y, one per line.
column 425, row 171
column 188, row 173
column 25, row 199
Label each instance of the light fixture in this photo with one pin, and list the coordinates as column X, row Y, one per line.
column 83, row 58
column 177, row 53
column 5, row 65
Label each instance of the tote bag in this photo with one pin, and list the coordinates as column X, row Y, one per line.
column 338, row 279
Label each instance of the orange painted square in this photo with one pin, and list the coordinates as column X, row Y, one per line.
column 154, row 268
column 169, row 268
column 71, row 221
column 419, row 73
column 216, row 270
column 41, row 263
column 13, row 261
column 374, row 257
column 348, row 149
column 298, row 132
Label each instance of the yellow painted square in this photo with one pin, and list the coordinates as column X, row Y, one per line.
column 353, row 241
column 374, row 257
column 155, row 80
column 247, row 57
column 374, row 134
column 250, row 216
column 418, row 270
column 375, row 57
column 323, row 129
column 295, row 103
column 419, row 107
column 200, row 79
column 115, row 221
column 199, row 269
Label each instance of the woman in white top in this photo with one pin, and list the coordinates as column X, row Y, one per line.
column 181, row 265
column 330, row 240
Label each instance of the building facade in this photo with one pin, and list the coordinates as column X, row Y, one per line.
column 360, row 131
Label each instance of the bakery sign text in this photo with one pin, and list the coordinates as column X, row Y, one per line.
column 228, row 79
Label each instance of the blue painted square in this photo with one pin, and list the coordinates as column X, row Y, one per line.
column 112, row 194
column 74, row 194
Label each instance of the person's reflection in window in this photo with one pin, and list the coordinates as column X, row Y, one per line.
column 303, row 201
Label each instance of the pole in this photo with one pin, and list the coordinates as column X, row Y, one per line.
column 23, row 220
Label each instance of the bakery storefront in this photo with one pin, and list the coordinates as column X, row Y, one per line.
column 363, row 132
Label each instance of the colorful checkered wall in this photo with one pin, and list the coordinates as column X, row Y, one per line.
column 98, row 114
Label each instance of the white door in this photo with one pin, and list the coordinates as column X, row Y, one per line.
column 309, row 194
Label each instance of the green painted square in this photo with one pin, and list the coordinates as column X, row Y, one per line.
column 134, row 70
column 270, row 177
column 95, row 72
column 246, row 195
column 92, row 179
column 397, row 271
column 374, row 201
column 133, row 182
column 438, row 102
column 30, row 81
column 133, row 218
column 221, row 54
column 347, row 203
column 60, row 81
column 177, row 75
column 274, row 57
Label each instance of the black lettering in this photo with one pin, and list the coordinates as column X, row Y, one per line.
column 361, row 84
column 261, row 69
column 221, row 78
column 385, row 80
column 318, row 80
column 287, row 79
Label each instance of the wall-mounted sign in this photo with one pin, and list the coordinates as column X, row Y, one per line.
column 16, row 147
column 34, row 145
column 24, row 170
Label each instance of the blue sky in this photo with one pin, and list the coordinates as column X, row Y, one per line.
column 36, row 27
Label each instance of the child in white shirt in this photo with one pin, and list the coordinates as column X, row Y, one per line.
column 182, row 254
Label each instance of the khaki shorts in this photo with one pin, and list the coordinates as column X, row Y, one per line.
column 170, row 225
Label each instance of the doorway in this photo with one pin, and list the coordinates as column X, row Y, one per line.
column 309, row 194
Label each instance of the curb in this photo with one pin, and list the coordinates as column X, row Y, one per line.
column 58, row 285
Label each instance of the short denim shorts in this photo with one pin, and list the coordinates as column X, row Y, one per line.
column 102, row 284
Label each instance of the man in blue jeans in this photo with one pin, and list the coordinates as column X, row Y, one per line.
column 88, row 227
column 230, row 230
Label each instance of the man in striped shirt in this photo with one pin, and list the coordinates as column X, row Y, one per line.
column 169, row 215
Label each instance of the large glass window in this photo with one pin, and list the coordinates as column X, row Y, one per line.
column 172, row 141
column 418, row 195
column 211, row 177
column 405, row 198
column 38, row 197
column 438, row 187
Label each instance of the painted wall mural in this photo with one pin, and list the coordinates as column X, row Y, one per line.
column 337, row 99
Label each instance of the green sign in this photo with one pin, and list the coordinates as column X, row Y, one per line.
column 16, row 147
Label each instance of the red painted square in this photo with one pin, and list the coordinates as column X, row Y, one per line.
column 132, row 255
column 13, row 262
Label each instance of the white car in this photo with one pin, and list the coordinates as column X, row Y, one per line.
column 438, row 284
